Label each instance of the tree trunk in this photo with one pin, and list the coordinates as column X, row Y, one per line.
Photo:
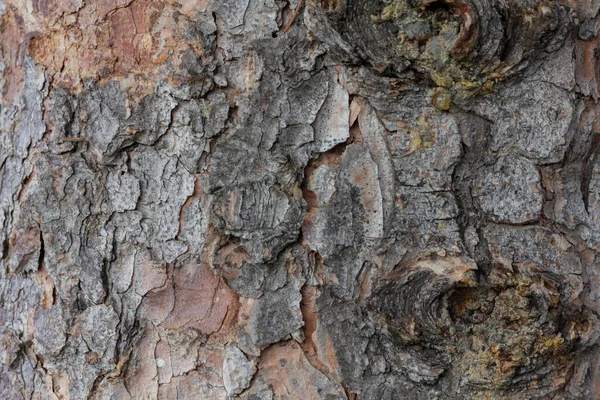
column 391, row 199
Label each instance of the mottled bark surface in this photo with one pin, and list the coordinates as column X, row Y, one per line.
column 394, row 199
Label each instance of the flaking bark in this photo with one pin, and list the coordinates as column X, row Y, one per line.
column 392, row 199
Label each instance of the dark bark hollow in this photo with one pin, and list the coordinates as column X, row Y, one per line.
column 462, row 40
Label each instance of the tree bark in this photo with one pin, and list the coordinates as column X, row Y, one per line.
column 392, row 199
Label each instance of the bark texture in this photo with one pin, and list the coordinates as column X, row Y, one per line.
column 394, row 199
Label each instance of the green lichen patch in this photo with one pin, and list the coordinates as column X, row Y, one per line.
column 506, row 335
column 442, row 99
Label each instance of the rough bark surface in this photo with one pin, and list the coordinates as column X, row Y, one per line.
column 393, row 199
